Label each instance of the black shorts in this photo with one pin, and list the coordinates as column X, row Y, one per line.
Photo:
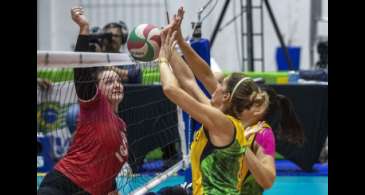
column 55, row 183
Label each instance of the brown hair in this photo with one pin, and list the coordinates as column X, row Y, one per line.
column 244, row 94
column 282, row 118
column 279, row 110
column 105, row 68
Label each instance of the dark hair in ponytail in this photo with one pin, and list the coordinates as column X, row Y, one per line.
column 282, row 117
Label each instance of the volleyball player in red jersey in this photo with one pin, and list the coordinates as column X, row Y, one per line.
column 99, row 148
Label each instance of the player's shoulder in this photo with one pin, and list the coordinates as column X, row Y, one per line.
column 93, row 102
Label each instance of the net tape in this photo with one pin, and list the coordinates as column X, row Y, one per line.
column 59, row 59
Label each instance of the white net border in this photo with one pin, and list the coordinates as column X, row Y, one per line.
column 69, row 59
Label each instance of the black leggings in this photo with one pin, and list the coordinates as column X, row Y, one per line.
column 55, row 183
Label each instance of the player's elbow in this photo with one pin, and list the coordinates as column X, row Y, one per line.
column 188, row 83
column 169, row 90
column 268, row 182
column 267, row 185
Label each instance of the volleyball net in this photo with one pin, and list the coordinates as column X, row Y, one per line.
column 155, row 128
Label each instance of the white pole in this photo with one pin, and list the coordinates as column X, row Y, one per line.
column 158, row 179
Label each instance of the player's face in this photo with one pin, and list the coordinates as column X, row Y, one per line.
column 220, row 97
column 110, row 85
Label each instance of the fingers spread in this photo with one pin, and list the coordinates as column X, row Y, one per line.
column 173, row 45
column 173, row 37
column 162, row 35
column 168, row 36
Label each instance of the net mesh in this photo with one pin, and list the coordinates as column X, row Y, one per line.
column 154, row 130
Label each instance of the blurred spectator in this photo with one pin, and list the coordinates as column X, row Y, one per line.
column 44, row 84
column 112, row 38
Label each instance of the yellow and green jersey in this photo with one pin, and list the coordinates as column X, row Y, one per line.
column 222, row 170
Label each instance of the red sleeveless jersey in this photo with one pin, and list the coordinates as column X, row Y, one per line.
column 99, row 147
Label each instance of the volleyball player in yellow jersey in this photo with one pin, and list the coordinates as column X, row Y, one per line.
column 217, row 153
column 221, row 156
